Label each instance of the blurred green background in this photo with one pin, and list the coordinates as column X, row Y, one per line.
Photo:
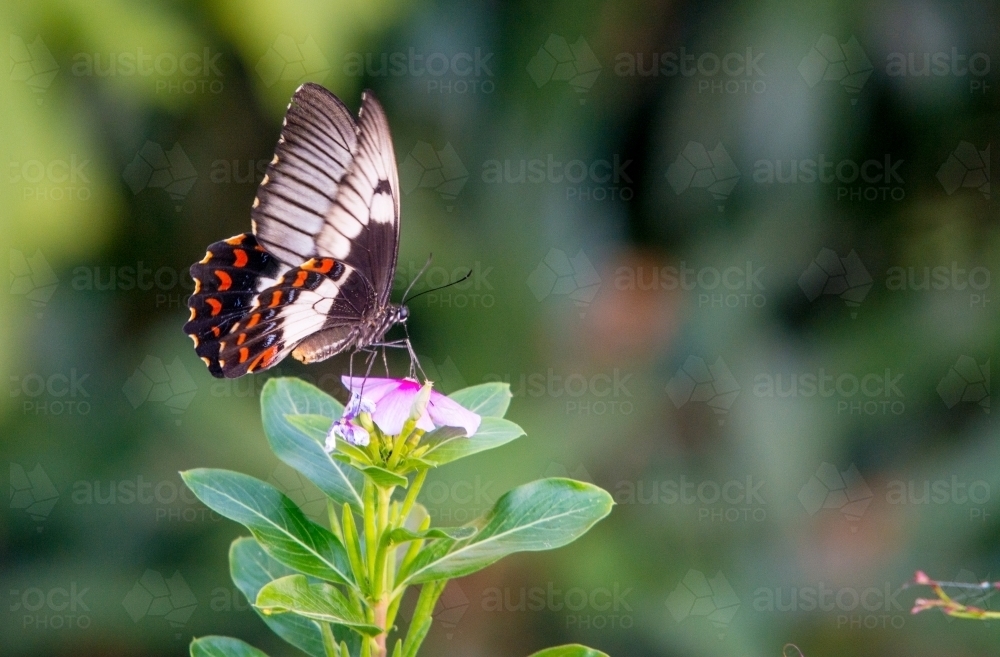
column 734, row 258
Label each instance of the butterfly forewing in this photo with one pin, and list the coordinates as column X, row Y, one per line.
column 326, row 217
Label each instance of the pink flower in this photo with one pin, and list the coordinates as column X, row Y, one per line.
column 394, row 399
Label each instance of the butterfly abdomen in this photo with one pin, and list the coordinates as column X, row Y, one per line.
column 227, row 280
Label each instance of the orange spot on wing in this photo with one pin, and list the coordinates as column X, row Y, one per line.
column 242, row 338
column 206, row 361
column 276, row 298
column 244, row 354
column 197, row 286
column 216, row 331
column 253, row 320
column 319, row 265
column 216, row 305
column 241, row 258
column 208, row 256
column 236, row 241
column 300, row 279
column 225, row 280
column 265, row 359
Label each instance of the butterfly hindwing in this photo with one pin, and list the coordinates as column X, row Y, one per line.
column 297, row 306
column 227, row 280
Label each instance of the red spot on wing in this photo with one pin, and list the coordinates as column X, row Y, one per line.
column 265, row 359
column 225, row 280
column 241, row 258
column 216, row 331
column 216, row 305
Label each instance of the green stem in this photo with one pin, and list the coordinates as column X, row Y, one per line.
column 422, row 616
column 371, row 536
column 331, row 511
column 411, row 495
column 329, row 643
column 353, row 544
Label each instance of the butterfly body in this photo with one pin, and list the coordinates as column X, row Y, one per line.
column 313, row 278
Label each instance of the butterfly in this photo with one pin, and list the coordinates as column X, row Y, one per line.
column 313, row 277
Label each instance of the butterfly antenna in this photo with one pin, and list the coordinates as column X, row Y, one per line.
column 441, row 287
column 430, row 258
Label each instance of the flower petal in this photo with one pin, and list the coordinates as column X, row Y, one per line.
column 345, row 430
column 446, row 412
column 374, row 388
column 392, row 411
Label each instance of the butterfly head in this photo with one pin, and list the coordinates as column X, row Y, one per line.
column 400, row 314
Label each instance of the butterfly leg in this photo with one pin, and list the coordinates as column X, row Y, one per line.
column 414, row 361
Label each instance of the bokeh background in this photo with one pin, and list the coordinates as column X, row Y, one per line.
column 735, row 260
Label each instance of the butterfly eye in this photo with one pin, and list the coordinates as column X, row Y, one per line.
column 402, row 314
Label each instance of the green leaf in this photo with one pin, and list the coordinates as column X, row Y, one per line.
column 223, row 646
column 320, row 601
column 251, row 568
column 449, row 444
column 385, row 478
column 542, row 515
column 275, row 521
column 486, row 399
column 402, row 534
column 570, row 650
column 299, row 441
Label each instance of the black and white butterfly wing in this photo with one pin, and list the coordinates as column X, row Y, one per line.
column 328, row 211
